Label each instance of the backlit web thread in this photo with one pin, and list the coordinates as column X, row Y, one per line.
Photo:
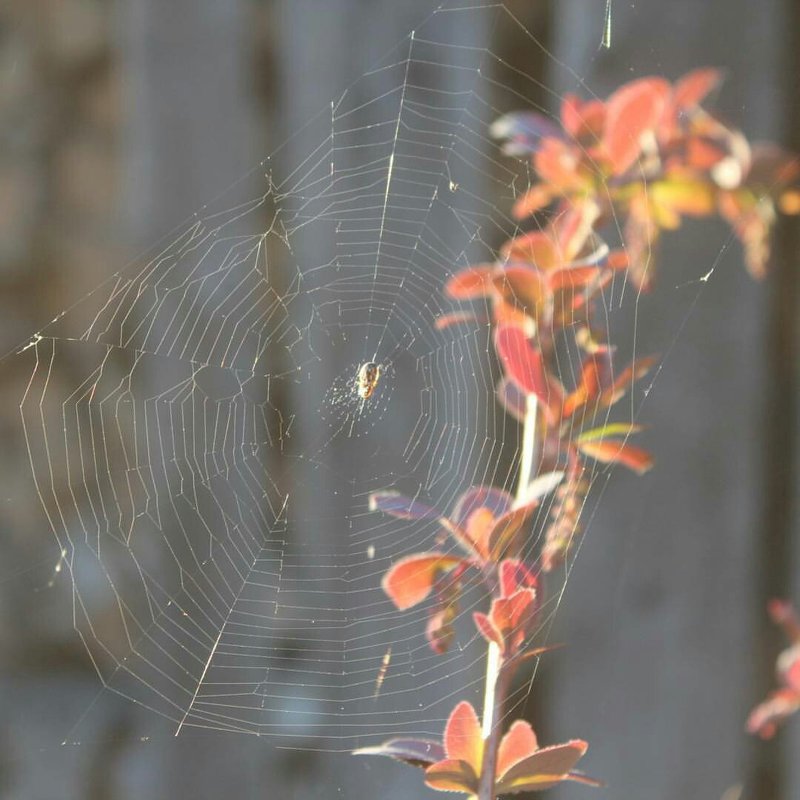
column 199, row 447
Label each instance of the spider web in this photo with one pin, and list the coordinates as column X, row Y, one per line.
column 203, row 457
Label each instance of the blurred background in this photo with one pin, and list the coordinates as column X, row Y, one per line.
column 119, row 119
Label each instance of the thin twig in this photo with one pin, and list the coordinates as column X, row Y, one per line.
column 498, row 677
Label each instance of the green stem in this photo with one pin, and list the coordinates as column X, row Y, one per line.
column 497, row 675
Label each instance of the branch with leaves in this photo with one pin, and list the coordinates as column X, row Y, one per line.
column 646, row 158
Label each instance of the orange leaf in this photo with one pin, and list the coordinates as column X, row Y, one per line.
column 462, row 736
column 692, row 88
column 558, row 164
column 487, row 629
column 536, row 198
column 635, row 371
column 543, row 769
column 410, row 580
column 611, row 451
column 478, row 527
column 518, row 743
column 458, row 318
column 521, row 288
column 471, row 283
column 535, row 247
column 579, row 118
column 632, row 110
column 503, row 539
column 524, row 365
column 452, row 775
column 789, row 202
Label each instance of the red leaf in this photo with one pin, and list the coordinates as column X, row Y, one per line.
column 410, row 580
column 440, row 631
column 496, row 500
column 514, row 575
column 559, row 165
column 535, row 247
column 782, row 613
column 789, row 667
column 513, row 616
column 543, row 769
column 536, row 198
column 579, row 118
column 522, row 289
column 765, row 717
column 470, row 283
column 595, row 377
column 416, row 752
column 462, row 736
column 610, row 451
column 503, row 538
column 524, row 365
column 632, row 110
column 518, row 743
column 573, row 278
column 635, row 371
column 488, row 630
column 692, row 88
column 452, row 775
column 458, row 318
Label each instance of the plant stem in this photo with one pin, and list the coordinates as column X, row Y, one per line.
column 497, row 677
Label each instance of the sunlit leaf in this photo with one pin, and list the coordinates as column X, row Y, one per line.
column 487, row 629
column 452, row 775
column 514, row 575
column 522, row 288
column 535, row 247
column 610, row 451
column 535, row 199
column 631, row 111
column 635, row 371
column 789, row 667
column 478, row 527
column 682, row 197
column 765, row 718
column 496, row 500
column 462, row 736
column 595, row 378
column 789, row 202
column 416, row 752
column 543, row 769
column 506, row 539
column 618, row 429
column 581, row 118
column 574, row 278
column 440, row 629
column 470, row 283
column 459, row 318
column 559, row 164
column 410, row 580
column 398, row 505
column 519, row 742
column 692, row 88
column 524, row 365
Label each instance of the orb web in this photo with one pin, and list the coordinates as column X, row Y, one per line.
column 204, row 458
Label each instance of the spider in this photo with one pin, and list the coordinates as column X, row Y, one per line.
column 367, row 379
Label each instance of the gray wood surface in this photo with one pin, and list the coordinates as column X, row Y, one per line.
column 663, row 611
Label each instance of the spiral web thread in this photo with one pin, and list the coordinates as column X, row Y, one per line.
column 198, row 444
